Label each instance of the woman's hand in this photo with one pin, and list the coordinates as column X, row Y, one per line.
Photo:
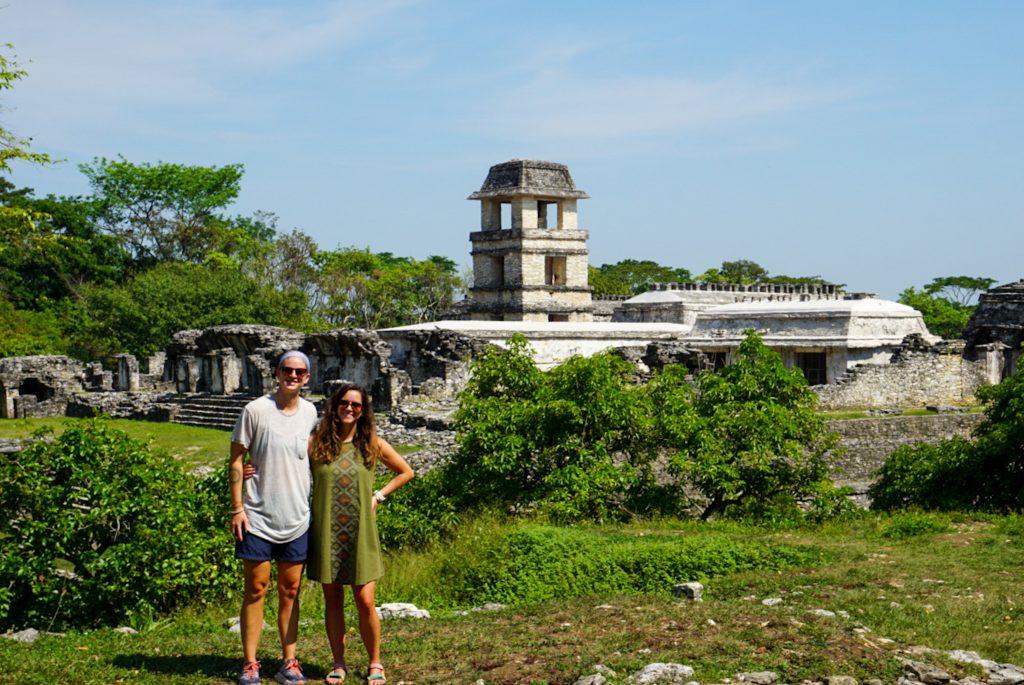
column 248, row 471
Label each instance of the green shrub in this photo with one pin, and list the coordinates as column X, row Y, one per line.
column 911, row 524
column 929, row 476
column 985, row 474
column 419, row 513
column 536, row 563
column 99, row 528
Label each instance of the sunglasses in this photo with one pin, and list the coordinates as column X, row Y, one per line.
column 345, row 404
column 293, row 371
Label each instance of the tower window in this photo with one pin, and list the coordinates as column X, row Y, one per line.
column 554, row 270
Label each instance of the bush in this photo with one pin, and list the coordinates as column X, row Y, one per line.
column 98, row 528
column 912, row 524
column 573, row 443
column 535, row 563
column 418, row 514
column 753, row 435
column 926, row 476
column 985, row 474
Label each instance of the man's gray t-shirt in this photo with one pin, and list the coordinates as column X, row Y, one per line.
column 276, row 498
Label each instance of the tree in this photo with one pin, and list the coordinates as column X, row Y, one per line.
column 140, row 315
column 944, row 303
column 572, row 441
column 985, row 473
column 360, row 288
column 28, row 332
column 164, row 212
column 754, row 435
column 632, row 277
column 959, row 289
column 743, row 271
column 64, row 253
column 15, row 220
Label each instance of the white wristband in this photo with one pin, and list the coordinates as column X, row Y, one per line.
column 379, row 496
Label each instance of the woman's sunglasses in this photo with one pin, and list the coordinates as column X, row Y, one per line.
column 345, row 404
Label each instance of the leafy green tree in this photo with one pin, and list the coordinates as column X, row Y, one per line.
column 632, row 277
column 367, row 290
column 944, row 303
column 29, row 332
column 64, row 253
column 141, row 315
column 754, row 435
column 743, row 271
column 15, row 220
column 164, row 212
column 99, row 529
column 573, row 441
column 959, row 289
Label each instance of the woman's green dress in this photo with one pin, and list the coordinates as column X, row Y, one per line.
column 343, row 543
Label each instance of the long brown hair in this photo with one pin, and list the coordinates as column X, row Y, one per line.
column 326, row 442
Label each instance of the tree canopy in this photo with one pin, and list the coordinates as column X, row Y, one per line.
column 14, row 220
column 944, row 303
column 163, row 212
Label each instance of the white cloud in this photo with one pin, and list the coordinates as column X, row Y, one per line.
column 554, row 105
column 151, row 52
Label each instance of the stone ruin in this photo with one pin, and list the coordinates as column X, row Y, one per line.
column 236, row 361
column 997, row 325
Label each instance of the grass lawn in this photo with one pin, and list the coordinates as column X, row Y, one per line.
column 193, row 445
column 897, row 583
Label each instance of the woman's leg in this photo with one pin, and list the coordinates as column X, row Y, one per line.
column 334, row 619
column 369, row 623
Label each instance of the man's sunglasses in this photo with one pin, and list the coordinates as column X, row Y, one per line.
column 293, row 371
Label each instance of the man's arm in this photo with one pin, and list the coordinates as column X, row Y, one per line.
column 239, row 521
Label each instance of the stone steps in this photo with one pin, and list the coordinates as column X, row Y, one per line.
column 211, row 411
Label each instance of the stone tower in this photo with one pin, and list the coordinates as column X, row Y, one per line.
column 534, row 269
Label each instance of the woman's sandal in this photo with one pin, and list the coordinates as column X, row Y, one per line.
column 376, row 678
column 337, row 674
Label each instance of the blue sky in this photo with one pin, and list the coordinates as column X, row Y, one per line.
column 877, row 144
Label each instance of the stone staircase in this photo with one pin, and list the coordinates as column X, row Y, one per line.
column 210, row 411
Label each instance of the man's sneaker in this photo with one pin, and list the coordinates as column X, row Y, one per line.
column 290, row 673
column 250, row 673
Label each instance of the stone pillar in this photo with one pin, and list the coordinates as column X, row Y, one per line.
column 127, row 373
column 524, row 212
column 230, row 371
column 186, row 373
column 7, row 399
column 490, row 215
column 567, row 219
column 213, row 372
column 156, row 364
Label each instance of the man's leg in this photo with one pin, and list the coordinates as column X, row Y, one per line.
column 257, row 578
column 289, row 580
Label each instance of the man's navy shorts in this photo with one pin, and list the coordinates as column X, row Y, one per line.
column 254, row 548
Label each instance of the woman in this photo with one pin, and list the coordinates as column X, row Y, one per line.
column 344, row 548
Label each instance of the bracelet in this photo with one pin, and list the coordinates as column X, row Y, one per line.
column 238, row 511
column 379, row 496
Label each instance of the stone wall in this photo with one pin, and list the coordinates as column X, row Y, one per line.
column 867, row 442
column 918, row 374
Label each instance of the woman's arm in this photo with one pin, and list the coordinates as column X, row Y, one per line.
column 397, row 465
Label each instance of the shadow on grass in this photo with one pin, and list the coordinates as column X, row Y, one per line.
column 209, row 665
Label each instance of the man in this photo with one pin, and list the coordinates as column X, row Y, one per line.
column 270, row 510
